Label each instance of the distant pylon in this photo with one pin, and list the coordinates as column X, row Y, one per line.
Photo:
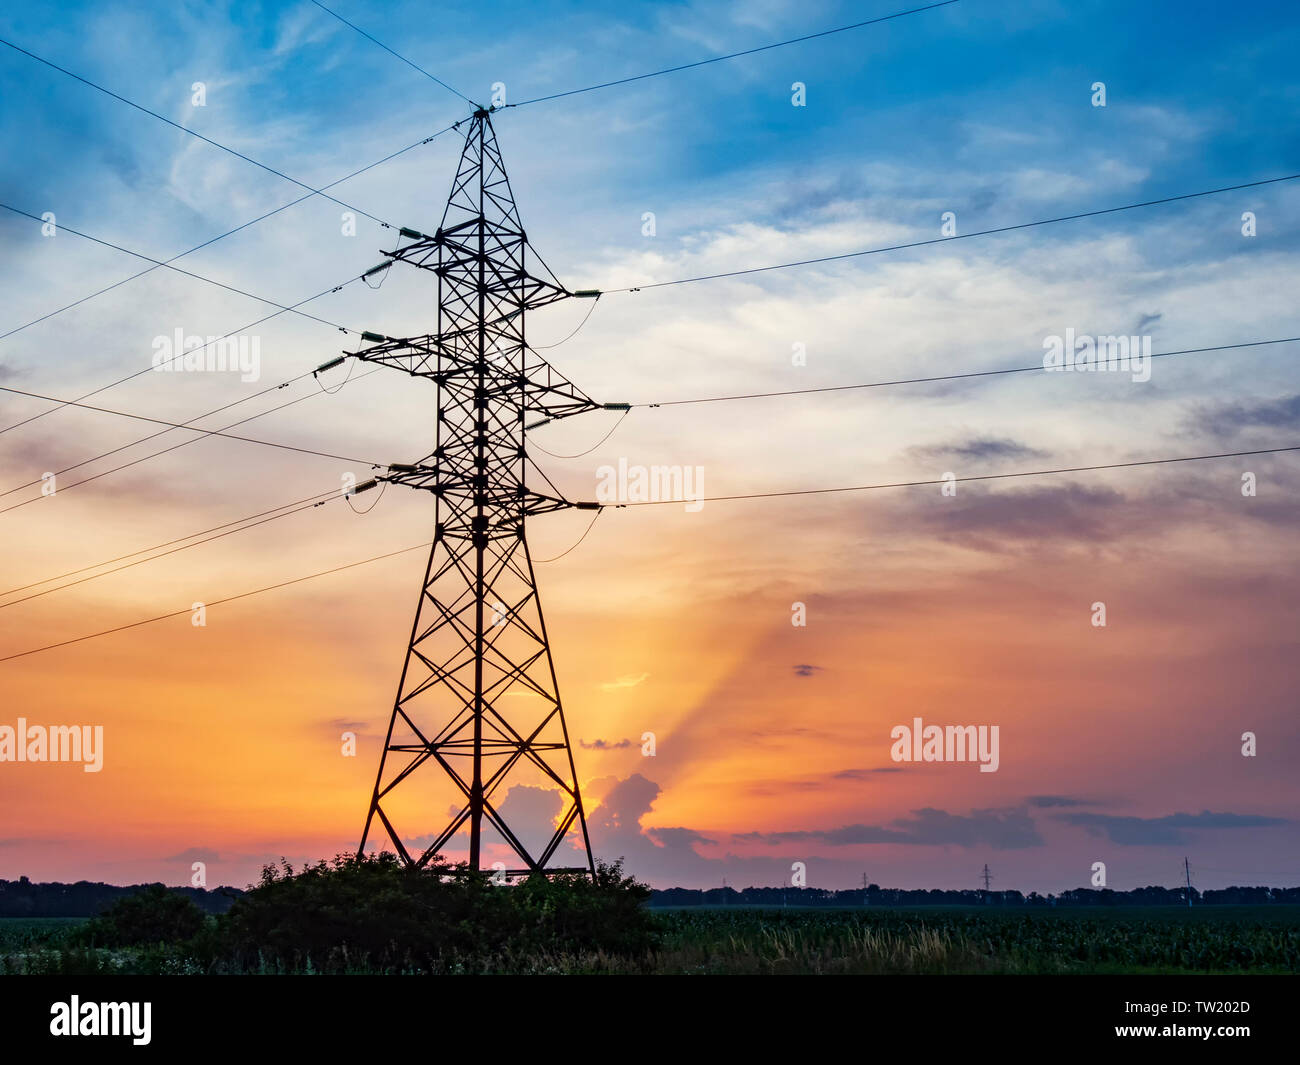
column 478, row 706
column 986, row 877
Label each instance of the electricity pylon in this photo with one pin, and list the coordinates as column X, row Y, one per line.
column 478, row 707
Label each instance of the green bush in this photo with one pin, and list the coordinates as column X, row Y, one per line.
column 154, row 915
column 374, row 914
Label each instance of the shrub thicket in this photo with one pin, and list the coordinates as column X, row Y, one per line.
column 374, row 914
column 154, row 915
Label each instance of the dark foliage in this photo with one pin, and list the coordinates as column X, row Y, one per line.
column 154, row 915
column 22, row 898
column 375, row 914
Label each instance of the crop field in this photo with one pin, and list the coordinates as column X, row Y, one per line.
column 1227, row 939
column 24, row 933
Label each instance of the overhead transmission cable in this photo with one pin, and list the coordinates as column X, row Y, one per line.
column 711, row 499
column 309, row 504
column 958, row 236
column 731, row 55
column 169, row 543
column 167, row 264
column 173, row 447
column 556, row 558
column 580, row 454
column 193, row 133
column 665, row 403
column 1040, row 368
column 397, row 55
column 189, row 424
column 223, row 236
column 181, row 425
column 713, row 399
column 180, row 355
column 221, row 602
column 962, row 480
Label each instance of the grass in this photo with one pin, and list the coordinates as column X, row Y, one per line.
column 736, row 940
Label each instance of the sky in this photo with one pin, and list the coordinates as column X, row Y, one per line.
column 1119, row 743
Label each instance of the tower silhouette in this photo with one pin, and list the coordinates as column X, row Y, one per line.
column 478, row 707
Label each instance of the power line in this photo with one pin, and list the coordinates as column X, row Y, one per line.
column 731, row 55
column 164, row 451
column 182, row 425
column 192, row 133
column 179, row 355
column 945, row 377
column 959, row 236
column 666, row 403
column 185, row 425
column 403, row 58
column 187, row 273
column 216, row 602
column 585, row 317
column 222, row 236
column 310, row 504
column 556, row 558
column 959, row 480
column 168, row 543
column 580, row 454
column 710, row 499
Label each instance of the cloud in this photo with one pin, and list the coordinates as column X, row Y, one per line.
column 1160, row 831
column 1010, row 829
column 1002, row 520
column 667, row 855
column 342, row 724
column 986, row 447
column 864, row 774
column 195, row 854
column 805, row 670
column 629, row 681
column 605, row 745
column 1046, row 801
column 531, row 814
column 1230, row 419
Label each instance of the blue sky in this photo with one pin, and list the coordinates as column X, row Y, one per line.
column 982, row 108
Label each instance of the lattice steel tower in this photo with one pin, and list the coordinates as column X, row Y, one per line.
column 478, row 707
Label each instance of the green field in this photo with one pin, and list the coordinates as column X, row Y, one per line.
column 22, row 933
column 1221, row 939
column 1227, row 939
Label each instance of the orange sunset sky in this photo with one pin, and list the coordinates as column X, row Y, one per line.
column 1122, row 744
